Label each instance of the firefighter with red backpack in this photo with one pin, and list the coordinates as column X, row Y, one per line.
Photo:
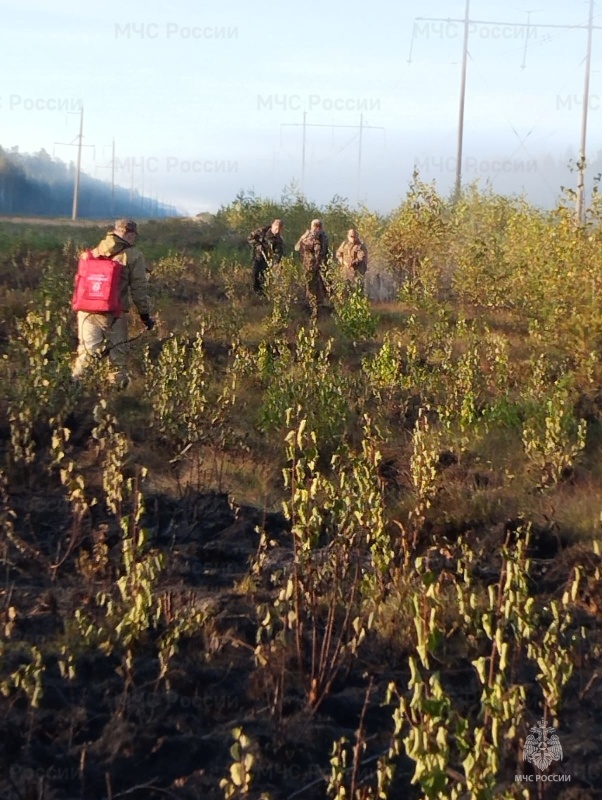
column 109, row 278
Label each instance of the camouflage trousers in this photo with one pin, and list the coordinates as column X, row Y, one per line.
column 260, row 268
column 353, row 279
column 96, row 333
column 353, row 274
column 315, row 290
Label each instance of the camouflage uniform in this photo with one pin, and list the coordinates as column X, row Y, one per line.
column 313, row 249
column 268, row 249
column 354, row 260
column 97, row 331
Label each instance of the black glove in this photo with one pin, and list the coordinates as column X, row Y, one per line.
column 148, row 321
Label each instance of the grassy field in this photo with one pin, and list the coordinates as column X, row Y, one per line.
column 353, row 556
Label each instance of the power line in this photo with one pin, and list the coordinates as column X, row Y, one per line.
column 361, row 128
column 506, row 24
column 466, row 21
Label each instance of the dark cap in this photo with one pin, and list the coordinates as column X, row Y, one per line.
column 126, row 225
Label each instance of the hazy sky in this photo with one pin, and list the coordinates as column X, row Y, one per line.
column 205, row 99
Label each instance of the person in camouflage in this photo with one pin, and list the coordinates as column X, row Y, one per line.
column 268, row 249
column 313, row 249
column 352, row 255
column 98, row 333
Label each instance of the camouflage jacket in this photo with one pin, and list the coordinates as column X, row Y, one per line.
column 353, row 258
column 266, row 244
column 313, row 248
column 134, row 282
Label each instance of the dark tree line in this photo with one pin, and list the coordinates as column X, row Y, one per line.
column 40, row 185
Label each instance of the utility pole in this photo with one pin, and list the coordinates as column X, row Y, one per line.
column 580, row 209
column 79, row 145
column 590, row 27
column 361, row 128
column 79, row 163
column 458, row 185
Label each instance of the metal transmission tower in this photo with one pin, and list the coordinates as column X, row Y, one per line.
column 467, row 22
column 361, row 128
column 79, row 146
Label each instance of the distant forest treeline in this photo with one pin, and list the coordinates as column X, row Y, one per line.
column 41, row 185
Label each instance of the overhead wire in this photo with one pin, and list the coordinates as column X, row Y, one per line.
column 522, row 141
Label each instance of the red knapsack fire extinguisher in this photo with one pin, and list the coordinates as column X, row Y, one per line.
column 97, row 283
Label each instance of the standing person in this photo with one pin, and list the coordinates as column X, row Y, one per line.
column 313, row 249
column 352, row 255
column 97, row 331
column 268, row 249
